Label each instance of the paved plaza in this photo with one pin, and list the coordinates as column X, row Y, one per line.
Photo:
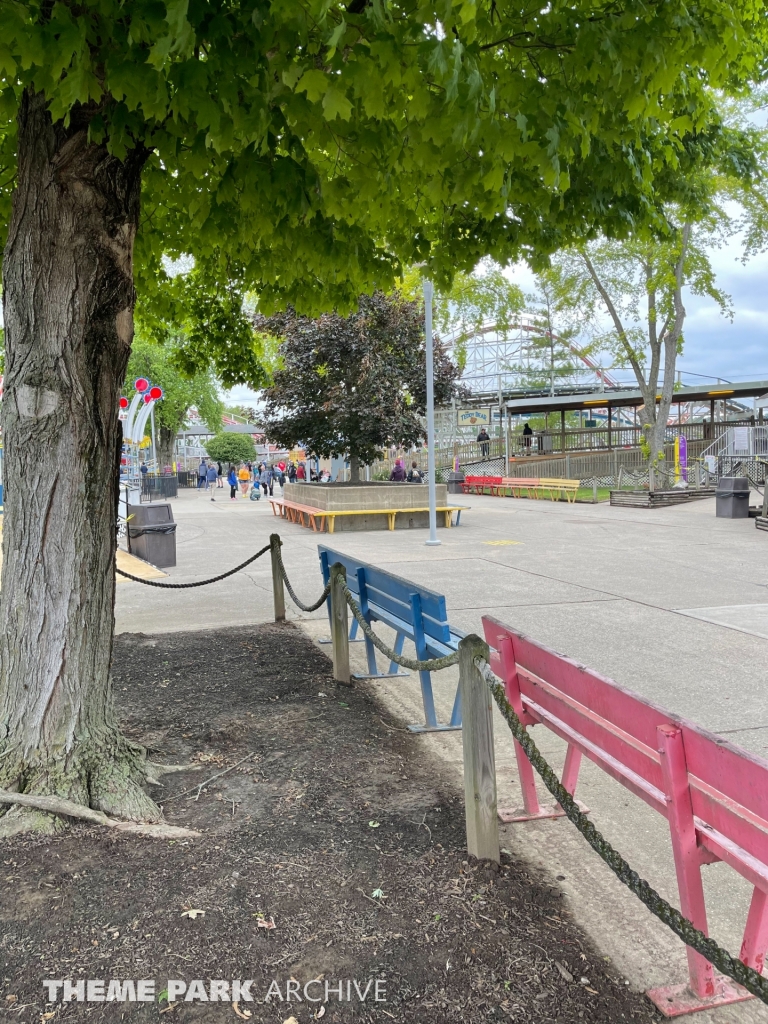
column 671, row 603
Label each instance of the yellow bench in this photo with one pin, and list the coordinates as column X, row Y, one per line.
column 556, row 487
column 390, row 513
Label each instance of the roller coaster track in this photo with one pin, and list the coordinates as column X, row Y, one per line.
column 459, row 336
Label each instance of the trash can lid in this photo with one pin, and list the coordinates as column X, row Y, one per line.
column 733, row 485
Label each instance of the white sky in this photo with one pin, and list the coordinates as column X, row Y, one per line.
column 714, row 346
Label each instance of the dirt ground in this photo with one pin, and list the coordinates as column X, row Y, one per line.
column 331, row 850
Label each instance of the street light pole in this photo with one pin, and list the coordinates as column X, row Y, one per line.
column 154, row 442
column 430, row 414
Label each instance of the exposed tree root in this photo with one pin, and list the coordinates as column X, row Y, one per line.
column 69, row 809
column 153, row 770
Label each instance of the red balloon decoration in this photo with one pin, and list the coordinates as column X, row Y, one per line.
column 123, row 403
column 147, row 398
column 141, row 384
column 155, row 392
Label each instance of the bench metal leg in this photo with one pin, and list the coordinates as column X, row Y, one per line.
column 429, row 710
column 425, row 678
column 370, row 650
column 756, row 933
column 456, row 713
column 399, row 641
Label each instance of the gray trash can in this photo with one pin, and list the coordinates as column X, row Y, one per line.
column 732, row 498
column 152, row 533
column 455, row 480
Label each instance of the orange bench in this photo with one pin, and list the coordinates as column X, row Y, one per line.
column 294, row 512
column 515, row 485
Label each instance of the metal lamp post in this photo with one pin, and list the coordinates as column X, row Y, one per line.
column 428, row 290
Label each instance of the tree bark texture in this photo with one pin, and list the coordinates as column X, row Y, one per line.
column 354, row 469
column 166, row 438
column 68, row 302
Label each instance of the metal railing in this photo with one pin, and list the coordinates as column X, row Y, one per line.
column 154, row 488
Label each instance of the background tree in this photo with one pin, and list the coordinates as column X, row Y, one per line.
column 350, row 386
column 229, row 447
column 553, row 355
column 307, row 150
column 637, row 285
column 159, row 363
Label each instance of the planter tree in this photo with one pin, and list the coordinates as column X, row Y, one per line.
column 182, row 392
column 305, row 149
column 230, row 447
column 350, row 386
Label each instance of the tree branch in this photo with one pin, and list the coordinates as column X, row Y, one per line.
column 616, row 322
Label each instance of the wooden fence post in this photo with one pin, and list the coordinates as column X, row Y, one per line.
column 479, row 759
column 339, row 628
column 278, row 593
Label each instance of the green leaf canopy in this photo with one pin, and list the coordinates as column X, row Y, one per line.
column 318, row 145
column 235, row 448
column 351, row 385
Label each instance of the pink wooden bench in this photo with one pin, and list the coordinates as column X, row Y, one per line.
column 713, row 794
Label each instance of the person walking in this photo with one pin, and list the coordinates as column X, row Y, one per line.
column 398, row 473
column 292, row 473
column 211, row 477
column 232, row 481
column 301, row 473
column 414, row 474
column 220, row 475
column 202, row 473
column 527, row 438
column 244, row 476
column 483, row 439
column 265, row 479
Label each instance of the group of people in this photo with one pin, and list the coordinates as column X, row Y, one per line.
column 249, row 477
column 413, row 476
column 484, row 440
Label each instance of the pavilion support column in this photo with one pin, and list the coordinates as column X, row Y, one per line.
column 562, row 430
column 610, row 433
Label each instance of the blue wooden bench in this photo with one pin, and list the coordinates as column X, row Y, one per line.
column 415, row 613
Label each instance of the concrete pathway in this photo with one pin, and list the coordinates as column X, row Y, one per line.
column 670, row 602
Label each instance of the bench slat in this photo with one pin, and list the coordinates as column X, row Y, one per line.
column 397, row 589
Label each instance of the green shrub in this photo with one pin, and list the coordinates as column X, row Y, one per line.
column 231, row 448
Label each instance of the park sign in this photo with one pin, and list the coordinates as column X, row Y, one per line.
column 473, row 417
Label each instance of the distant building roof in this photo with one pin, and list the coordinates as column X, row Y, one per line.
column 614, row 398
column 227, row 428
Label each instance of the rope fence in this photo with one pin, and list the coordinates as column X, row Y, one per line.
column 198, row 583
column 720, row 958
column 476, row 675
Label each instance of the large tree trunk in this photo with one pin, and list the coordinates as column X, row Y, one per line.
column 354, row 469
column 68, row 329
column 166, row 454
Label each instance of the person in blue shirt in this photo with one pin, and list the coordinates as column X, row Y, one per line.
column 265, row 479
column 210, row 481
column 232, row 481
